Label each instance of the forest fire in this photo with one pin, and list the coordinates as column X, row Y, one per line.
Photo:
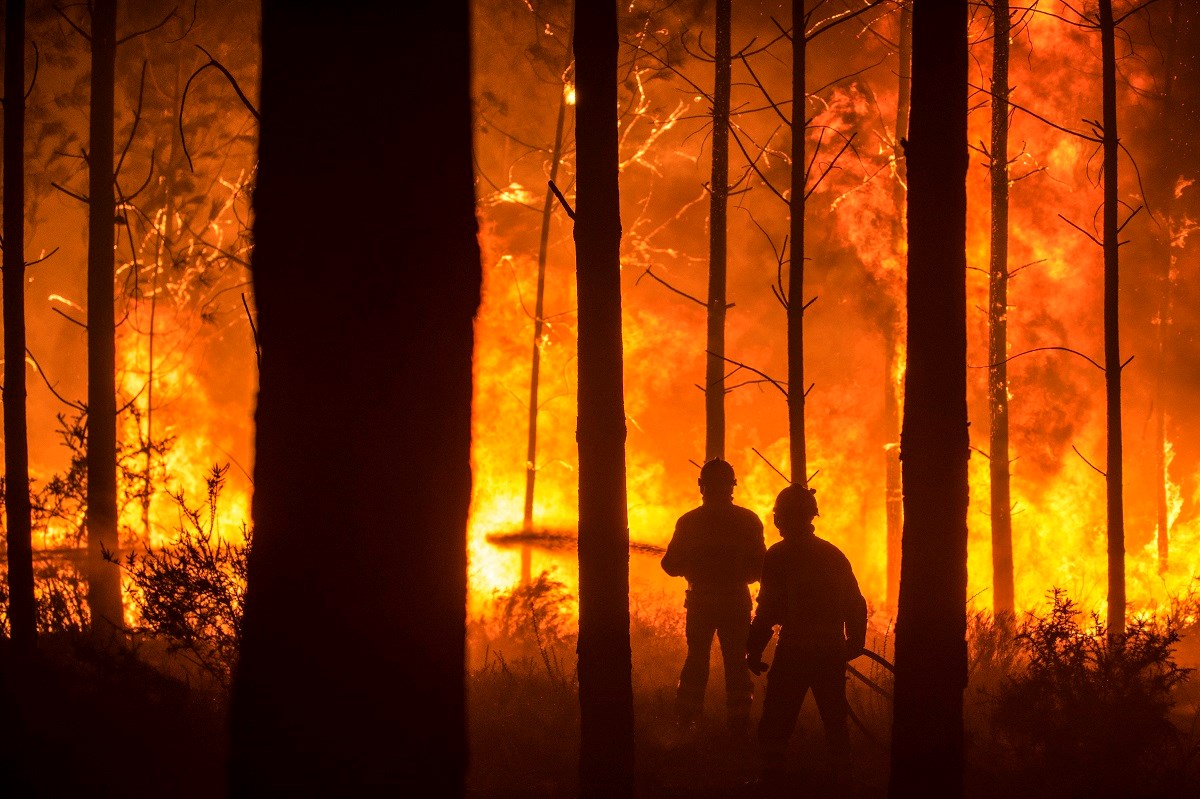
column 856, row 271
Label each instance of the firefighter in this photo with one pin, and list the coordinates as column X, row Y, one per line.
column 809, row 591
column 718, row 547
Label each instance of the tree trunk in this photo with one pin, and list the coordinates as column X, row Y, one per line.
column 538, row 326
column 714, row 378
column 998, row 464
column 351, row 674
column 605, row 680
column 795, row 308
column 931, row 667
column 892, row 328
column 1112, row 339
column 104, row 576
column 22, row 610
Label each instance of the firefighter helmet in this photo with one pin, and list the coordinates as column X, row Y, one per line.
column 717, row 472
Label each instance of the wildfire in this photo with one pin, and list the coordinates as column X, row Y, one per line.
column 856, row 269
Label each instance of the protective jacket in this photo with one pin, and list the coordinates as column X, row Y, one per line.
column 809, row 589
column 718, row 548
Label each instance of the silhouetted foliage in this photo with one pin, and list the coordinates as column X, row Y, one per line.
column 1085, row 717
column 191, row 592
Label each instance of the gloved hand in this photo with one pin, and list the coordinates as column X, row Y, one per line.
column 853, row 650
column 754, row 662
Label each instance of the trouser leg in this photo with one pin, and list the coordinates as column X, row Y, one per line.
column 689, row 699
column 739, row 690
column 786, row 687
column 829, row 690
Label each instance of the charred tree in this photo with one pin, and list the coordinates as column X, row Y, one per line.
column 104, row 575
column 605, row 664
column 351, row 673
column 795, row 298
column 714, row 377
column 539, row 324
column 931, row 666
column 999, row 463
column 22, row 610
column 892, row 326
column 1112, row 339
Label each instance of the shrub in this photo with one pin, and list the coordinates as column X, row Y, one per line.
column 1086, row 716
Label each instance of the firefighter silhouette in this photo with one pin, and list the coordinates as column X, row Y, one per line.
column 809, row 591
column 718, row 547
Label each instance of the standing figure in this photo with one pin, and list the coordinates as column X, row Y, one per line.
column 718, row 547
column 809, row 591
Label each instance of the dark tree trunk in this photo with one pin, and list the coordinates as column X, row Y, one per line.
column 367, row 275
column 1112, row 340
column 605, row 679
column 104, row 576
column 539, row 324
column 931, row 668
column 22, row 615
column 998, row 464
column 892, row 327
column 795, row 307
column 714, row 377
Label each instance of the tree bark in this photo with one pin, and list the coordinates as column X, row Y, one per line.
column 104, row 576
column 795, row 308
column 539, row 324
column 1112, row 338
column 605, row 665
column 927, row 731
column 998, row 463
column 714, row 377
column 892, row 327
column 22, row 609
column 351, row 674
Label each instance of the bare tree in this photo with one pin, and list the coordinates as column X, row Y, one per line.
column 714, row 370
column 998, row 460
column 931, row 666
column 22, row 610
column 539, row 318
column 605, row 661
column 104, row 575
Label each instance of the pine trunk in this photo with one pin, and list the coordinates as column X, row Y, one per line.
column 351, row 674
column 539, row 324
column 104, row 576
column 714, row 377
column 998, row 464
column 931, row 668
column 22, row 612
column 795, row 307
column 892, row 327
column 1112, row 339
column 605, row 665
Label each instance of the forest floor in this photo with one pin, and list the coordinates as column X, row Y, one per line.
column 1105, row 729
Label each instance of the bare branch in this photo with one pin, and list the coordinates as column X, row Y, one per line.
column 758, row 372
column 566, row 205
column 215, row 64
column 1099, row 471
column 764, row 458
column 151, row 29
column 68, row 317
column 70, row 193
column 1038, row 349
column 683, row 294
column 1081, row 230
column 38, row 368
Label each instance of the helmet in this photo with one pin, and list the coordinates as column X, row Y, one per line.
column 717, row 472
column 798, row 498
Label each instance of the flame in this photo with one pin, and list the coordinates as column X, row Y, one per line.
column 856, row 267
